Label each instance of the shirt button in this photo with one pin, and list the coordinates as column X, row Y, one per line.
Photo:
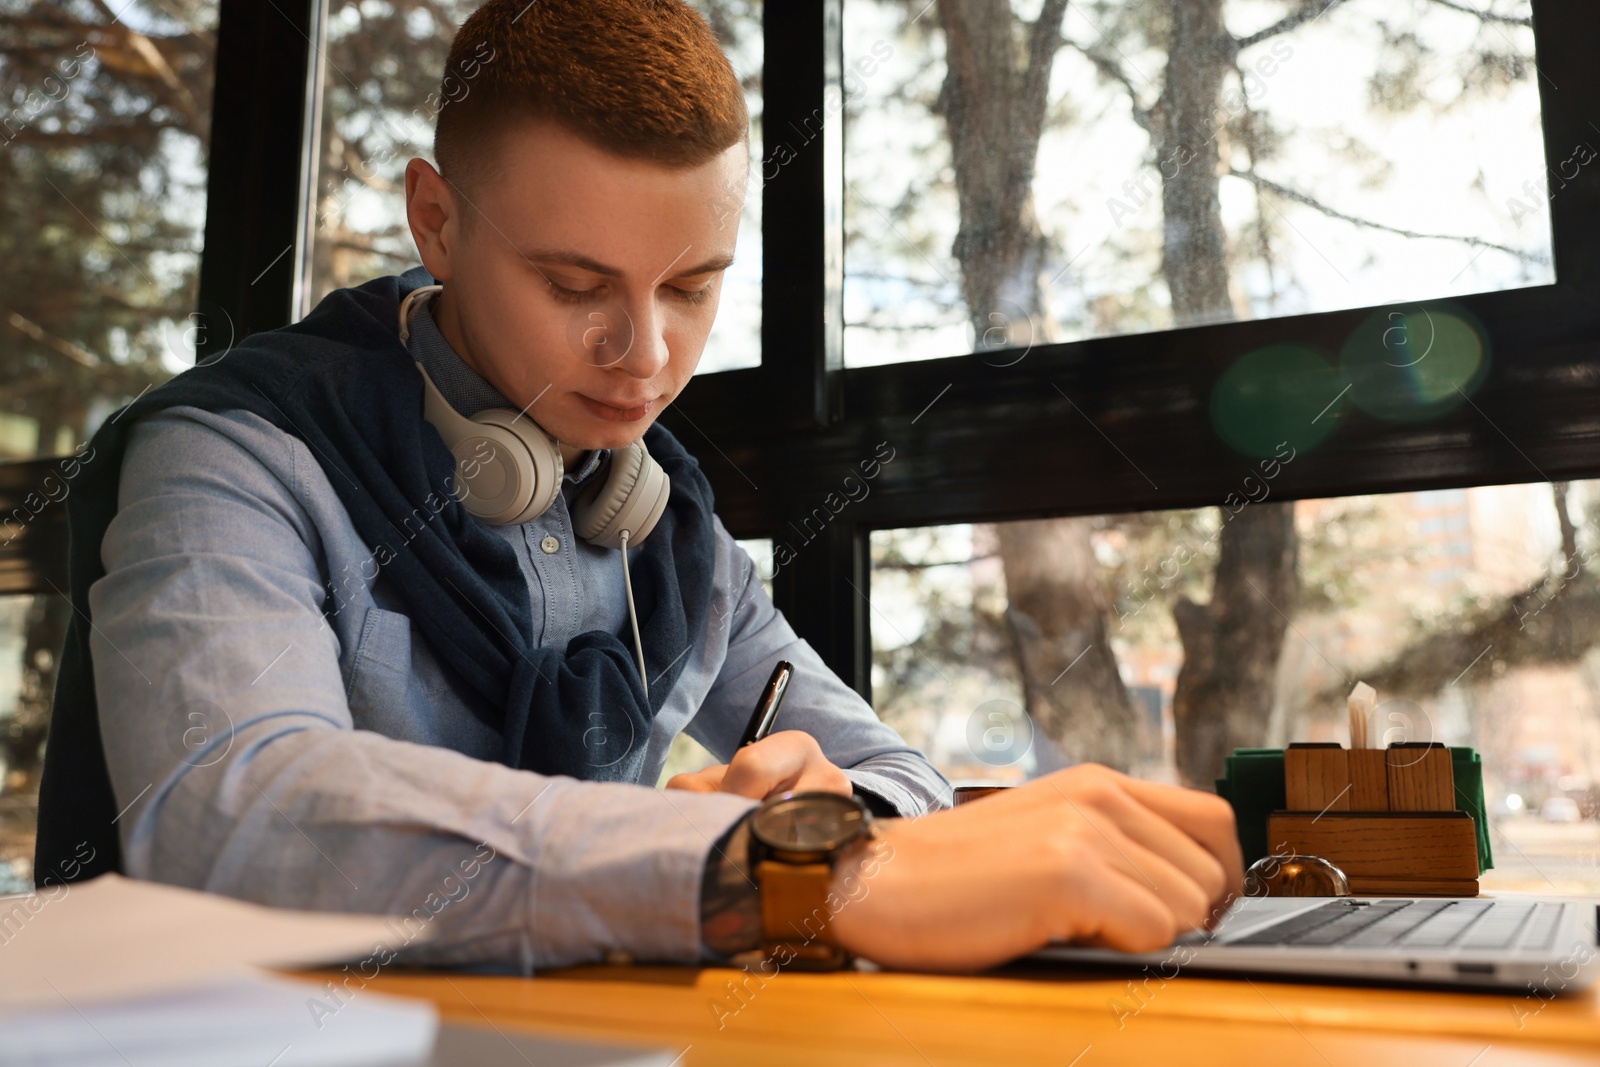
column 550, row 544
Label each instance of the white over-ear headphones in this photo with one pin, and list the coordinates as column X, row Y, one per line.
column 508, row 471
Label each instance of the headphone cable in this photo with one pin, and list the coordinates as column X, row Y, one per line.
column 633, row 614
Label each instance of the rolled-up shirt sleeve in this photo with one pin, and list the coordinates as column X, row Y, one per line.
column 872, row 754
column 238, row 769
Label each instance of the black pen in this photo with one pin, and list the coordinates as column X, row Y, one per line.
column 767, row 707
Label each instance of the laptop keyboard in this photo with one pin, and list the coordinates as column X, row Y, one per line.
column 1466, row 924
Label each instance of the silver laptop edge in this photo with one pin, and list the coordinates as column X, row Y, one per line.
column 1569, row 963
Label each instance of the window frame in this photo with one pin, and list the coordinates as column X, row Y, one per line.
column 257, row 171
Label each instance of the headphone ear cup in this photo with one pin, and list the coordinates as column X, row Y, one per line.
column 632, row 498
column 509, row 467
column 508, row 470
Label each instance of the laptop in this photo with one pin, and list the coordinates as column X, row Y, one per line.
column 1545, row 945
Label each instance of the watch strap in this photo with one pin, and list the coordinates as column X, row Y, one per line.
column 795, row 920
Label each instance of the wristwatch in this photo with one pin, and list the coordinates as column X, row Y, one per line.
column 796, row 838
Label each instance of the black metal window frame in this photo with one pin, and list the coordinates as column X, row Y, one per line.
column 1101, row 426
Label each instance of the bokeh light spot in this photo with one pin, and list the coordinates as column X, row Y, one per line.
column 1277, row 394
column 1414, row 364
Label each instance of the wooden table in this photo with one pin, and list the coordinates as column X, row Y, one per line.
column 1015, row 1017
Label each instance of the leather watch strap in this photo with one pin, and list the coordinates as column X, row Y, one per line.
column 795, row 920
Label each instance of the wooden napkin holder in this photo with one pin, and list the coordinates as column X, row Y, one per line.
column 1386, row 817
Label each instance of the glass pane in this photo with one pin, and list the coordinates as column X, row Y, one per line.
column 1158, row 642
column 379, row 115
column 103, row 178
column 1377, row 153
column 32, row 631
column 735, row 340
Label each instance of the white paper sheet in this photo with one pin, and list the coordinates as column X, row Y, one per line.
column 114, row 937
column 249, row 1021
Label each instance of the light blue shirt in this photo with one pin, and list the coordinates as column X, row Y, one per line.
column 277, row 729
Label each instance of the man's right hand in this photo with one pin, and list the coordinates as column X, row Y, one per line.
column 1084, row 854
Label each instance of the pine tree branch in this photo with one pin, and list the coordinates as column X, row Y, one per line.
column 355, row 243
column 907, row 565
column 1316, row 205
column 1044, row 38
column 1109, row 69
column 1550, row 621
column 146, row 50
column 77, row 353
column 1310, row 11
column 1487, row 16
column 913, row 327
column 356, row 167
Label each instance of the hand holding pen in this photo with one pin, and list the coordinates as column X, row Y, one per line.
column 766, row 763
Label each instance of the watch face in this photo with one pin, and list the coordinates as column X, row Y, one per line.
column 808, row 822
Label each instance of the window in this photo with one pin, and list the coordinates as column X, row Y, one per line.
column 382, row 92
column 103, row 175
column 1007, row 650
column 1104, row 176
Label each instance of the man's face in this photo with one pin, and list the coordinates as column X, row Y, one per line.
column 584, row 284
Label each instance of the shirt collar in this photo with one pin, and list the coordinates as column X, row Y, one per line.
column 465, row 389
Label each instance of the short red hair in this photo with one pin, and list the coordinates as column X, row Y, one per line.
column 644, row 79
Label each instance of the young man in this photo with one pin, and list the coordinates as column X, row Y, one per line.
column 319, row 681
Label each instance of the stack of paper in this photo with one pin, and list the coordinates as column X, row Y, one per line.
column 248, row 1020
column 130, row 973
